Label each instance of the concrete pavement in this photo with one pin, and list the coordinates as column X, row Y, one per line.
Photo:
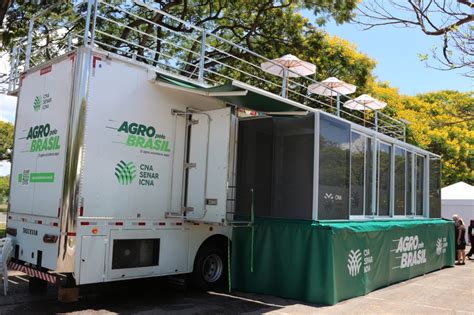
column 447, row 291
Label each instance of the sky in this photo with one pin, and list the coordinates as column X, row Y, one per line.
column 396, row 51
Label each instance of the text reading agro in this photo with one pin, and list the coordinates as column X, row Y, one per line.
column 43, row 138
column 144, row 137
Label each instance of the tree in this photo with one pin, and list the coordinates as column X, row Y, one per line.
column 4, row 188
column 450, row 20
column 441, row 122
column 6, row 140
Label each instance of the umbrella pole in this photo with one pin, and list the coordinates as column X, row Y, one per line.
column 284, row 85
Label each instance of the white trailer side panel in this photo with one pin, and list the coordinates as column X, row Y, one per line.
column 129, row 141
column 40, row 140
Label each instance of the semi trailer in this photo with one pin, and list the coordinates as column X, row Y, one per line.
column 134, row 160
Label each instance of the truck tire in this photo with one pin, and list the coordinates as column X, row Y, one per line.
column 210, row 267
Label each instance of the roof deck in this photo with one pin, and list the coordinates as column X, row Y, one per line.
column 179, row 49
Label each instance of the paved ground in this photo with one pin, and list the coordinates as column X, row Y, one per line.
column 446, row 291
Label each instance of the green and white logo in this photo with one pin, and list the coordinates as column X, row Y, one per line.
column 42, row 102
column 125, row 172
column 37, row 103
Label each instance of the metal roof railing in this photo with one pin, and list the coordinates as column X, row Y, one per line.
column 158, row 39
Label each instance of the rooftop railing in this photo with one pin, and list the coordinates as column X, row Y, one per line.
column 147, row 35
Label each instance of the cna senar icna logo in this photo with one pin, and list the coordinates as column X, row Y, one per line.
column 356, row 259
column 410, row 251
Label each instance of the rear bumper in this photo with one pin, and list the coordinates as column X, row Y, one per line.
column 51, row 278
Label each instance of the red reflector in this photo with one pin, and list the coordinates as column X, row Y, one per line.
column 50, row 238
column 47, row 69
column 59, row 211
column 84, row 223
column 71, row 233
column 39, row 222
column 179, row 223
column 195, row 223
column 81, row 211
column 11, row 231
column 118, row 223
column 55, row 224
column 162, row 223
column 141, row 223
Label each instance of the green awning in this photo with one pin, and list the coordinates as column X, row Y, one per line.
column 236, row 93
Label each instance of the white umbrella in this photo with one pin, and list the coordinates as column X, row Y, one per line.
column 365, row 102
column 332, row 87
column 288, row 66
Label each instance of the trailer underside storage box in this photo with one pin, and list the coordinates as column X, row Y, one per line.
column 325, row 263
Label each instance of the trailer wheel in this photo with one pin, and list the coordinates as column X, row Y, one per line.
column 210, row 267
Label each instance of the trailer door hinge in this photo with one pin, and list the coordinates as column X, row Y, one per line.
column 192, row 122
column 189, row 165
column 187, row 209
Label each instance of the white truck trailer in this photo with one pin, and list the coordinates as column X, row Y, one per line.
column 115, row 177
column 125, row 151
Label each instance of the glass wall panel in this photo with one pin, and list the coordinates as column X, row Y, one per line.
column 293, row 162
column 368, row 177
column 400, row 181
column 383, row 177
column 357, row 173
column 334, row 159
column 409, row 182
column 435, row 188
column 420, row 167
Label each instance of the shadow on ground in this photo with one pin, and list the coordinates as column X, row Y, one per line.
column 143, row 296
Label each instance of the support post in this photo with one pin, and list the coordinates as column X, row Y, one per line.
column 13, row 70
column 376, row 120
column 29, row 43
column 284, row 83
column 69, row 42
column 94, row 21
column 374, row 177
column 202, row 57
column 338, row 104
column 88, row 22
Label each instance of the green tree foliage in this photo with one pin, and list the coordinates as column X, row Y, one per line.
column 441, row 122
column 6, row 139
column 4, row 188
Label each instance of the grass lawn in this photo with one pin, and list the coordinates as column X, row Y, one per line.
column 2, row 230
column 3, row 207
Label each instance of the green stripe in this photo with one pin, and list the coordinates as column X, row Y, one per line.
column 42, row 177
column 20, row 178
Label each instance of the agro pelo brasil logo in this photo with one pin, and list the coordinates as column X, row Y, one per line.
column 42, row 102
column 126, row 172
column 413, row 252
column 43, row 138
column 355, row 260
column 144, row 137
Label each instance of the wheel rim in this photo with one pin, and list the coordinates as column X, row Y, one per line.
column 212, row 268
